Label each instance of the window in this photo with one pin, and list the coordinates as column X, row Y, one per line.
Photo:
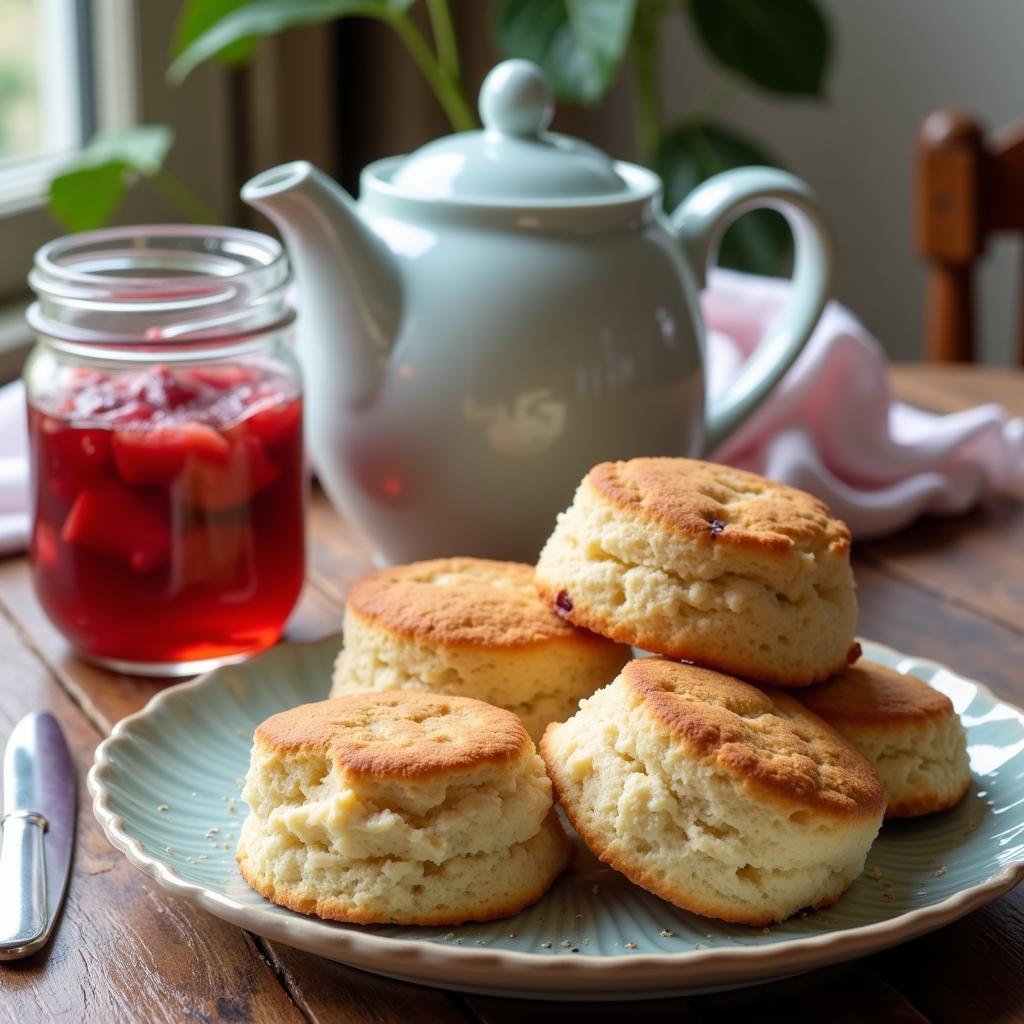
column 46, row 95
column 71, row 67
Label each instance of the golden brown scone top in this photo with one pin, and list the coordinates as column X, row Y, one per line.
column 764, row 737
column 724, row 505
column 462, row 602
column 869, row 694
column 398, row 735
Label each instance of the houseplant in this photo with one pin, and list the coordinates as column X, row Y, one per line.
column 582, row 45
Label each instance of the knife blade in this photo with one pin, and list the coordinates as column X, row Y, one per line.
column 37, row 838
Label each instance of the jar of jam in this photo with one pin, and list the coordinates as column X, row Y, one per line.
column 165, row 420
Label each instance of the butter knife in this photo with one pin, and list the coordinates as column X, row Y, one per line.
column 38, row 833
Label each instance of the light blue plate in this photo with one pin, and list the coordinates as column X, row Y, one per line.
column 166, row 787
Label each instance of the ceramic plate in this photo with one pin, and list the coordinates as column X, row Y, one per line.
column 166, row 787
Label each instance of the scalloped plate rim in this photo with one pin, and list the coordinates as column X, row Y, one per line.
column 709, row 969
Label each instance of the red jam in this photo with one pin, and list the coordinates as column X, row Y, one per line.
column 169, row 511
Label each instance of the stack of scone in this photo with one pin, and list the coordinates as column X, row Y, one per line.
column 728, row 800
column 416, row 796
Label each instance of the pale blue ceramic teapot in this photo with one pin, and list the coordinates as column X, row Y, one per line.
column 503, row 309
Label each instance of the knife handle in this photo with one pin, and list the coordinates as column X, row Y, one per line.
column 22, row 881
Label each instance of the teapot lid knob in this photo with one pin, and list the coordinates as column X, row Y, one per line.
column 515, row 99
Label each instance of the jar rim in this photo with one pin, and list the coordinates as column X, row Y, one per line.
column 162, row 283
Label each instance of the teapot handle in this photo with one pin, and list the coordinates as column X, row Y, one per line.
column 699, row 222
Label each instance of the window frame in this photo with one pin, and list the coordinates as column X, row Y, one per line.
column 130, row 54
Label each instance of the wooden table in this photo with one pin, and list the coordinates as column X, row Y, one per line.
column 124, row 950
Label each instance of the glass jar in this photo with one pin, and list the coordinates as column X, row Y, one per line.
column 165, row 421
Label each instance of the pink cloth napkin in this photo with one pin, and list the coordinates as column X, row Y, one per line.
column 830, row 427
column 13, row 469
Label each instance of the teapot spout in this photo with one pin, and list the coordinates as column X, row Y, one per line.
column 348, row 281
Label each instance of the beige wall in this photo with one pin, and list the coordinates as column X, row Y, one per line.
column 896, row 61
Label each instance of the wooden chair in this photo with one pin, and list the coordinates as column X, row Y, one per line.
column 967, row 188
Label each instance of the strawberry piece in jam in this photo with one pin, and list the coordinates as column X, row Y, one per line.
column 247, row 471
column 73, row 458
column 45, row 545
column 118, row 521
column 159, row 455
column 270, row 423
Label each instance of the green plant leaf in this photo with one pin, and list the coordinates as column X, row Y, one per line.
column 759, row 242
column 579, row 43
column 241, row 24
column 142, row 148
column 90, row 187
column 782, row 46
column 85, row 199
column 199, row 15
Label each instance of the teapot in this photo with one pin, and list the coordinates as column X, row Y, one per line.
column 501, row 310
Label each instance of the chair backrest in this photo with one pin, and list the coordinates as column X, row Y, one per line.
column 967, row 187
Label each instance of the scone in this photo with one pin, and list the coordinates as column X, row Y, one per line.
column 474, row 628
column 709, row 564
column 907, row 730
column 728, row 801
column 403, row 808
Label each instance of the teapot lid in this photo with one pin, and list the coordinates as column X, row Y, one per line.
column 514, row 158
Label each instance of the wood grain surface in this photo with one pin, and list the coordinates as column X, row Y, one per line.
column 951, row 590
column 123, row 949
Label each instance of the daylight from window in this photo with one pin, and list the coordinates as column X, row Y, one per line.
column 41, row 92
column 21, row 127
